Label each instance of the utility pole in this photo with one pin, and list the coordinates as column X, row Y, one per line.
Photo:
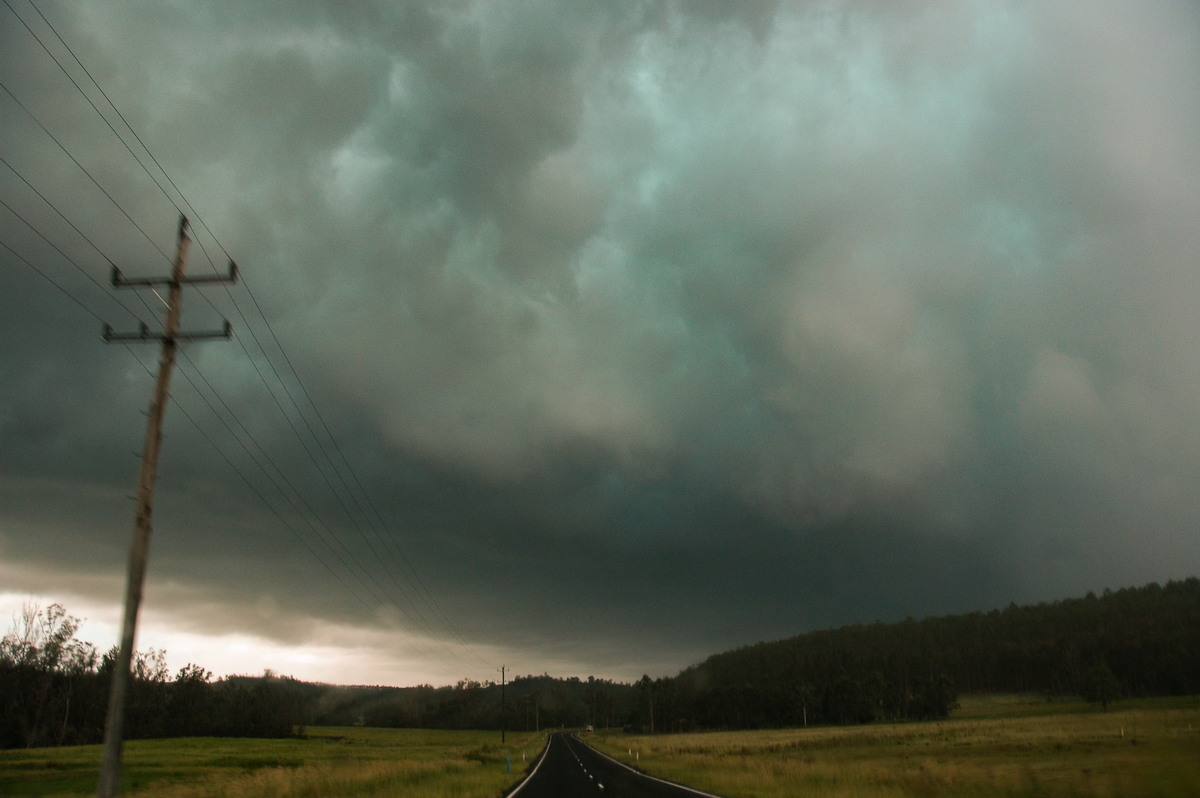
column 114, row 728
column 503, row 706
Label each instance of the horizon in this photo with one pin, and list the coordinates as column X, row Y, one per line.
column 175, row 663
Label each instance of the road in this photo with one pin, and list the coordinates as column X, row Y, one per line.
column 571, row 769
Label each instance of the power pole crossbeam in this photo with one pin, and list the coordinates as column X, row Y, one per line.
column 119, row 280
column 114, row 729
column 145, row 335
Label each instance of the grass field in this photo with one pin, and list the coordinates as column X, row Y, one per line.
column 993, row 746
column 352, row 762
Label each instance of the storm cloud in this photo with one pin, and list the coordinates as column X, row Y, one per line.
column 637, row 331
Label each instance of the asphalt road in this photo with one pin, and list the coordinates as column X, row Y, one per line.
column 571, row 769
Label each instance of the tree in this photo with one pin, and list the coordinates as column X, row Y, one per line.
column 646, row 688
column 933, row 698
column 1101, row 685
column 190, row 707
column 45, row 640
column 846, row 701
column 41, row 663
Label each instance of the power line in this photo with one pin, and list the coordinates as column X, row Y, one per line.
column 52, row 281
column 120, row 115
column 286, row 494
column 66, row 257
column 327, row 534
column 392, row 549
column 283, row 383
column 84, row 169
column 292, row 495
column 395, row 552
column 262, row 315
column 72, row 225
column 306, row 512
column 263, row 500
column 395, row 549
column 85, row 95
column 265, row 382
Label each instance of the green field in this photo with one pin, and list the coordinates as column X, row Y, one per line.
column 993, row 746
column 330, row 762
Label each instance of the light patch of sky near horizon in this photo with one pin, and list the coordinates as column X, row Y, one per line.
column 346, row 656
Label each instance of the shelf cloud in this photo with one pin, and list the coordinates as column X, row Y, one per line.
column 636, row 331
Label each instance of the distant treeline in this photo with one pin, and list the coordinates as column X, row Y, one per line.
column 525, row 703
column 54, row 691
column 1132, row 642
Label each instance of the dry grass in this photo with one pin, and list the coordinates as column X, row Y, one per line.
column 352, row 762
column 999, row 746
column 1015, row 747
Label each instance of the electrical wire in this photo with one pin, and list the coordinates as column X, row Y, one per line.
column 52, row 281
column 68, row 258
column 84, row 169
column 54, row 58
column 357, row 494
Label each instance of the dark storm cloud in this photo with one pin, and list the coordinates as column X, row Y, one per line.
column 693, row 323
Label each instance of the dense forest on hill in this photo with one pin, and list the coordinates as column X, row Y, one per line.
column 1131, row 642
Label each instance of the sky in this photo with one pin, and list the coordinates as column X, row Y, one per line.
column 596, row 338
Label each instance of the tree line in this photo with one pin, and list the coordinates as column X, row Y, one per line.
column 1132, row 642
column 54, row 691
column 525, row 703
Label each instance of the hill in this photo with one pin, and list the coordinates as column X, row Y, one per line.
column 1132, row 642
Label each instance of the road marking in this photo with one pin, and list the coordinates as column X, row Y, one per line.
column 541, row 759
column 600, row 785
column 615, row 761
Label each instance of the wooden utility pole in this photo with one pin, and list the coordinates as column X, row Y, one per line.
column 503, row 708
column 114, row 728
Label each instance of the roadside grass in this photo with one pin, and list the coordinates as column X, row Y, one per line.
column 993, row 746
column 332, row 761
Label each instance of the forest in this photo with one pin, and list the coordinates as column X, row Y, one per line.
column 1131, row 642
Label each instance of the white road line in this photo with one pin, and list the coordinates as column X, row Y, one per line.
column 541, row 759
column 684, row 787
